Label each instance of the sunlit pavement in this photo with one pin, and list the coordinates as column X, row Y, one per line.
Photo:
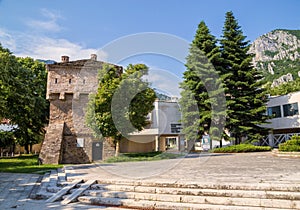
column 244, row 167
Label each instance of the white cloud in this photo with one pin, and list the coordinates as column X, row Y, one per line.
column 37, row 45
column 42, row 47
column 49, row 24
column 164, row 81
column 8, row 40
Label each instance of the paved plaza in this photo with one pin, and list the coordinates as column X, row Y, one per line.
column 249, row 168
column 244, row 167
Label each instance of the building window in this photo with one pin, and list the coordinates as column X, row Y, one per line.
column 80, row 142
column 55, row 81
column 290, row 109
column 274, row 111
column 175, row 128
column 70, row 81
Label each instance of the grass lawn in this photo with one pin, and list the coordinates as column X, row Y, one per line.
column 149, row 156
column 25, row 164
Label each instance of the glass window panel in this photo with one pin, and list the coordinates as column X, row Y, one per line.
column 274, row 111
column 290, row 109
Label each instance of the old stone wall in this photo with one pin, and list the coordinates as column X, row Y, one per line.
column 108, row 149
column 52, row 145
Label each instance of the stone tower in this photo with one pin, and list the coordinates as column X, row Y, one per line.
column 68, row 139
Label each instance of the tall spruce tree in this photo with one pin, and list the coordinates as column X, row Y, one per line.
column 245, row 98
column 203, row 101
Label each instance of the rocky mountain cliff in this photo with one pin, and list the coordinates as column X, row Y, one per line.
column 277, row 54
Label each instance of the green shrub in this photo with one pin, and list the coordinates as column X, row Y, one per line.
column 289, row 148
column 293, row 142
column 149, row 156
column 292, row 145
column 242, row 148
column 146, row 154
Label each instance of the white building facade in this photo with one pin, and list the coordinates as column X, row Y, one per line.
column 286, row 120
column 163, row 133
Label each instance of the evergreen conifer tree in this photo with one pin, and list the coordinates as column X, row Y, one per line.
column 203, row 101
column 245, row 99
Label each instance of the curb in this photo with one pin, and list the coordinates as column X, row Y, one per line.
column 277, row 153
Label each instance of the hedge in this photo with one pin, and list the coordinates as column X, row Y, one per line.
column 292, row 145
column 242, row 148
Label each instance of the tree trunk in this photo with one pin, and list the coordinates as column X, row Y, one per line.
column 30, row 148
column 221, row 144
column 26, row 148
column 238, row 139
column 117, row 147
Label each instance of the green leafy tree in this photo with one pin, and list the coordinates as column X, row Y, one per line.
column 6, row 139
column 121, row 104
column 36, row 110
column 202, row 99
column 246, row 100
column 23, row 85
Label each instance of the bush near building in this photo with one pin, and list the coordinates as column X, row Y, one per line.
column 241, row 148
column 292, row 145
column 148, row 156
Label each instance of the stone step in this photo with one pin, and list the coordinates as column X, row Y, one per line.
column 196, row 192
column 42, row 193
column 255, row 202
column 55, row 181
column 61, row 176
column 148, row 204
column 53, row 178
column 169, row 194
column 286, row 187
column 36, row 188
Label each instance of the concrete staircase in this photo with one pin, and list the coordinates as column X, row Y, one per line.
column 155, row 194
column 49, row 184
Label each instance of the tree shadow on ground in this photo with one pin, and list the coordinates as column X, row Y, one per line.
column 197, row 155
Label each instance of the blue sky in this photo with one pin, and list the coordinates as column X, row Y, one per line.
column 49, row 29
